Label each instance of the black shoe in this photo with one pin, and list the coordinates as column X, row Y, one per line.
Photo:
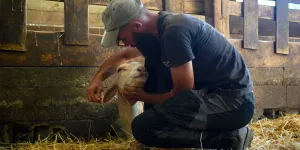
column 244, row 139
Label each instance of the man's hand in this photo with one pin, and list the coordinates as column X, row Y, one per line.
column 94, row 90
column 134, row 94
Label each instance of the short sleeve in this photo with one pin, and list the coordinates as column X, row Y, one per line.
column 176, row 45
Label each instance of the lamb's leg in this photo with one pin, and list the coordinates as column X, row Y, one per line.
column 125, row 112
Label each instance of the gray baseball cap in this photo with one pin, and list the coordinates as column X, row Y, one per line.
column 116, row 14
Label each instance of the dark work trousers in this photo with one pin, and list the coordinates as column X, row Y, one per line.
column 192, row 119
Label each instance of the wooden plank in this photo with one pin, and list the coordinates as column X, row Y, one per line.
column 52, row 13
column 175, row 6
column 225, row 18
column 209, row 11
column 221, row 16
column 42, row 51
column 266, row 12
column 153, row 4
column 218, row 24
column 265, row 56
column 263, row 38
column 48, row 49
column 282, row 27
column 150, row 4
column 250, row 24
column 266, row 27
column 13, row 25
column 193, row 7
column 76, row 22
column 98, row 2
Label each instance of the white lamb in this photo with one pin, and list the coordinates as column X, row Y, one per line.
column 133, row 74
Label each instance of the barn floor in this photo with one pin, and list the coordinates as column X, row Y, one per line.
column 270, row 134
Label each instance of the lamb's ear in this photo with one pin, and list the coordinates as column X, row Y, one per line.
column 110, row 93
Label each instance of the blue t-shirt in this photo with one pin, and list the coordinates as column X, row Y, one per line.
column 217, row 64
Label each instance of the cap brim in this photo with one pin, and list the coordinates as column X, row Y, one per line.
column 109, row 39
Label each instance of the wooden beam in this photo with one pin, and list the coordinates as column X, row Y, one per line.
column 218, row 24
column 99, row 2
column 175, row 6
column 265, row 12
column 265, row 56
column 48, row 49
column 250, row 24
column 185, row 6
column 221, row 16
column 76, row 22
column 13, row 25
column 282, row 27
column 209, row 11
column 153, row 4
column 225, row 18
column 193, row 6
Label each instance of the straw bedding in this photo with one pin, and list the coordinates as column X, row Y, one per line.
column 282, row 133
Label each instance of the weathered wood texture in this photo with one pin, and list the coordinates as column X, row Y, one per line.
column 282, row 27
column 250, row 24
column 209, row 12
column 52, row 13
column 97, row 2
column 266, row 27
column 12, row 25
column 150, row 4
column 76, row 22
column 221, row 16
column 263, row 38
column 265, row 56
column 185, row 6
column 153, row 4
column 48, row 49
column 174, row 6
column 266, row 12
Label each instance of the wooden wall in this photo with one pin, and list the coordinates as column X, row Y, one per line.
column 45, row 78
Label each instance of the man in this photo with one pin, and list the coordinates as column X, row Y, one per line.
column 199, row 91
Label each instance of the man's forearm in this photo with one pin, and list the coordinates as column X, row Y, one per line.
column 110, row 66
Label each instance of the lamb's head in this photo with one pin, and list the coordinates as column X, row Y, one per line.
column 133, row 74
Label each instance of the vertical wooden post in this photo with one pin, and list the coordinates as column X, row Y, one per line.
column 225, row 18
column 13, row 25
column 282, row 27
column 221, row 16
column 76, row 22
column 250, row 24
column 209, row 13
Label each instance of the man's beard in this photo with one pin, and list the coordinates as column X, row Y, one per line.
column 148, row 45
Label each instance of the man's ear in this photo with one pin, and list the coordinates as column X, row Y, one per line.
column 110, row 93
column 136, row 26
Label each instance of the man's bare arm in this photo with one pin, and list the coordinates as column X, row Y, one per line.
column 108, row 68
column 183, row 80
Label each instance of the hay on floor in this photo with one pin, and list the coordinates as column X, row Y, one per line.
column 282, row 133
column 279, row 134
